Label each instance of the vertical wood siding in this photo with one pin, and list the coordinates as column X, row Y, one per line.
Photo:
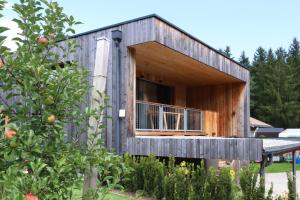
column 223, row 108
column 152, row 29
column 133, row 33
column 197, row 147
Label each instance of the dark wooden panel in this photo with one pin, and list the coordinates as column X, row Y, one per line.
column 197, row 147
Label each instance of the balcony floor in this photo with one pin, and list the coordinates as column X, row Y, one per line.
column 170, row 133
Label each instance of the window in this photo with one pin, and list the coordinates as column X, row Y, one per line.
column 154, row 92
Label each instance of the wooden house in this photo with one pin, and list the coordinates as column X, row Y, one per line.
column 171, row 94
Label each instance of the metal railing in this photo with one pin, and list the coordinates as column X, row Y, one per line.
column 161, row 117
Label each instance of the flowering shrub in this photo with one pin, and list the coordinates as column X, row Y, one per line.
column 186, row 181
column 177, row 182
column 178, row 179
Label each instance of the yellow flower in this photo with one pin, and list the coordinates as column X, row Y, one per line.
column 183, row 164
column 186, row 172
column 232, row 173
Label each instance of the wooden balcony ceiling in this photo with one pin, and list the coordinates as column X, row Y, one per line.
column 153, row 58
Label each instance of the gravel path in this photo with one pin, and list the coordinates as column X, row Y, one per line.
column 279, row 181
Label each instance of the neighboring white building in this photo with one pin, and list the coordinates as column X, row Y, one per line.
column 290, row 133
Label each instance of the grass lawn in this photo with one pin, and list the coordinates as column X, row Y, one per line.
column 110, row 196
column 279, row 167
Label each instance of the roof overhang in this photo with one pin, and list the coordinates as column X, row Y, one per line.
column 156, row 59
column 155, row 31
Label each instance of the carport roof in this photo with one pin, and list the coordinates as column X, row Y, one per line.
column 280, row 146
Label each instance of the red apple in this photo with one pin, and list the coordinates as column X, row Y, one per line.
column 9, row 134
column 42, row 40
column 51, row 119
column 30, row 197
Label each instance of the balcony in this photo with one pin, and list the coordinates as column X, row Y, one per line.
column 162, row 119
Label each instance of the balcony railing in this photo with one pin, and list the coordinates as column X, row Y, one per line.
column 161, row 117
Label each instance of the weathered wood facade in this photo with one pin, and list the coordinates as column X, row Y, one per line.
column 197, row 147
column 203, row 79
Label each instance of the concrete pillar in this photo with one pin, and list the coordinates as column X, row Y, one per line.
column 211, row 163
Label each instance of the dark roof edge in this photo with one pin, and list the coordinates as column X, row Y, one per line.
column 282, row 149
column 114, row 25
column 165, row 21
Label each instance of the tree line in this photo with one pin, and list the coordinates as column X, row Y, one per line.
column 275, row 84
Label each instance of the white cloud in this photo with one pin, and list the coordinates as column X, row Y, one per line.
column 11, row 33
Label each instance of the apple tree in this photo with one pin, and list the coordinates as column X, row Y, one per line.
column 38, row 95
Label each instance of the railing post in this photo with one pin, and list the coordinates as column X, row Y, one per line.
column 160, row 118
column 294, row 172
column 201, row 121
column 185, row 120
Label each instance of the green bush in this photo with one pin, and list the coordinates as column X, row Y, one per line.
column 153, row 175
column 182, row 179
column 146, row 173
column 225, row 183
column 253, row 188
column 291, row 187
column 169, row 186
column 170, row 179
column 176, row 182
column 133, row 179
column 198, row 182
column 188, row 182
column 212, row 184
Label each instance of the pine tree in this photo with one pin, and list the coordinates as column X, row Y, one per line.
column 244, row 60
column 275, row 86
column 257, row 81
column 294, row 61
column 226, row 52
column 294, row 50
column 278, row 106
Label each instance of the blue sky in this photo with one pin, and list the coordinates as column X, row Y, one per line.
column 243, row 25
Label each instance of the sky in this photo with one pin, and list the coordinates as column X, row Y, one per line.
column 242, row 25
